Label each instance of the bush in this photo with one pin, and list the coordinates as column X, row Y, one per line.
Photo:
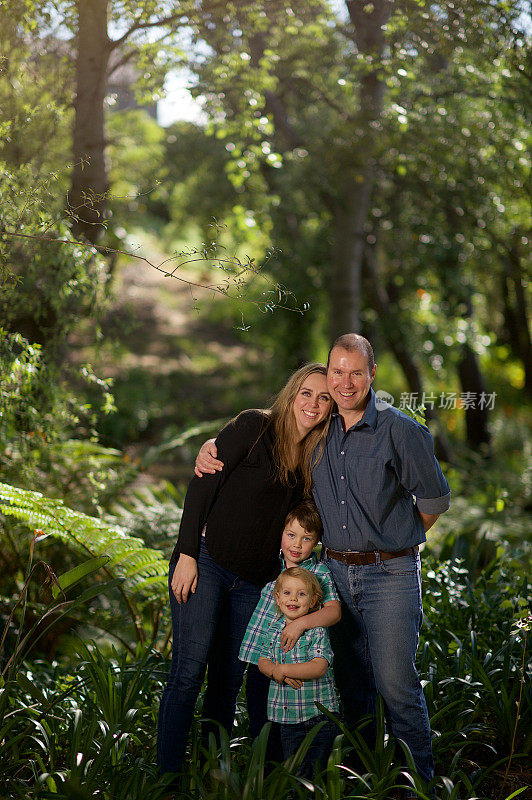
column 87, row 728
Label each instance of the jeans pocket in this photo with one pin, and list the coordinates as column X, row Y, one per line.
column 403, row 565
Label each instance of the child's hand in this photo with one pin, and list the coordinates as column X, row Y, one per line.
column 291, row 633
column 294, row 683
column 277, row 673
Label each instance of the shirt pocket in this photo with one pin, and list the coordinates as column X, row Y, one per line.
column 369, row 480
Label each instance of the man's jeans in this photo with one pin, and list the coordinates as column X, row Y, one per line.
column 375, row 645
column 320, row 749
column 220, row 596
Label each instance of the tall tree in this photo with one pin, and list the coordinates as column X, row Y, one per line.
column 88, row 194
column 335, row 148
column 96, row 21
column 351, row 205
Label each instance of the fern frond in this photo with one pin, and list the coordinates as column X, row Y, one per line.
column 142, row 569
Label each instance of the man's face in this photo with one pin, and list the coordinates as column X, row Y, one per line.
column 349, row 380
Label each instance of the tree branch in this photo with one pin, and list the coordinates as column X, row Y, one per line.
column 126, row 58
column 139, row 25
column 234, row 263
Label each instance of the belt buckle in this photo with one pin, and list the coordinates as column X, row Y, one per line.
column 377, row 557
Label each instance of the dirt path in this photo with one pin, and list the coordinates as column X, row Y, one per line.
column 172, row 366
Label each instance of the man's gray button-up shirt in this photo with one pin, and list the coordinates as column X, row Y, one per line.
column 371, row 478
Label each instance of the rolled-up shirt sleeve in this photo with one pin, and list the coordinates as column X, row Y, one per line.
column 418, row 468
column 320, row 647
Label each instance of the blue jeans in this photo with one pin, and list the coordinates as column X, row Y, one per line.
column 220, row 596
column 320, row 749
column 381, row 604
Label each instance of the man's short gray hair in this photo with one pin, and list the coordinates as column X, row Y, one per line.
column 354, row 341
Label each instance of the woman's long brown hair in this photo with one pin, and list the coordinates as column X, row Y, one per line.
column 289, row 452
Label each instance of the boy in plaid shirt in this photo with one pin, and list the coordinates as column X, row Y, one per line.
column 302, row 532
column 300, row 677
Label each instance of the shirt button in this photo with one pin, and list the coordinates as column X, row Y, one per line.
column 341, row 477
column 343, row 526
column 342, row 502
column 342, row 452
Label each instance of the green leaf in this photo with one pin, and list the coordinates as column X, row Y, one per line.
column 514, row 794
column 76, row 574
column 126, row 557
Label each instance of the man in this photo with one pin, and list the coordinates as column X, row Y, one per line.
column 379, row 489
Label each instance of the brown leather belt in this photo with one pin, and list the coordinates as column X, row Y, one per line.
column 372, row 557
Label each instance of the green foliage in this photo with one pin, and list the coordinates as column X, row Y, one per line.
column 139, row 571
column 474, row 655
column 151, row 513
column 53, row 279
column 445, row 235
column 46, row 287
column 38, row 416
column 489, row 515
column 194, row 187
column 77, row 733
column 33, row 107
column 136, row 152
column 143, row 570
column 94, row 726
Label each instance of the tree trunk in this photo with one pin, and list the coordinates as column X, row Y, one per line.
column 471, row 380
column 347, row 268
column 469, row 372
column 88, row 195
column 368, row 21
column 516, row 315
column 397, row 340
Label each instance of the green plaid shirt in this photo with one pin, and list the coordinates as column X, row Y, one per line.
column 290, row 706
column 265, row 614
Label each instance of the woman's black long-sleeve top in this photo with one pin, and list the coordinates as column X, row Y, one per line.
column 244, row 506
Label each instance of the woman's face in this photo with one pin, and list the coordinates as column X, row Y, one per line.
column 312, row 403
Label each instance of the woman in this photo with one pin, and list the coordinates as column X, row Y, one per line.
column 228, row 549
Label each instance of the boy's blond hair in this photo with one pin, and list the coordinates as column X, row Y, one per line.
column 310, row 581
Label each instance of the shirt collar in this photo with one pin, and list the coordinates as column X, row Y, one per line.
column 369, row 417
column 306, row 564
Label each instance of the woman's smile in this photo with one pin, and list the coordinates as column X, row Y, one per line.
column 312, row 403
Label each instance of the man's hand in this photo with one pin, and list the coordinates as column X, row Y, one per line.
column 185, row 578
column 428, row 519
column 291, row 633
column 206, row 460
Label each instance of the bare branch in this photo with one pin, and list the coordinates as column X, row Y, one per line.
column 226, row 264
column 139, row 25
column 125, row 59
